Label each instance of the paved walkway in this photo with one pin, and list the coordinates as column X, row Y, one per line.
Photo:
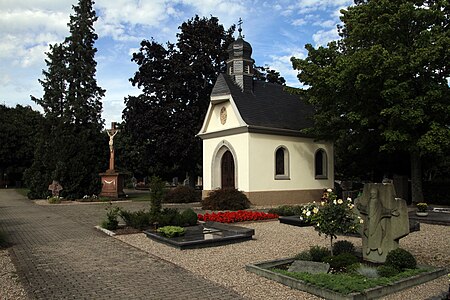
column 59, row 255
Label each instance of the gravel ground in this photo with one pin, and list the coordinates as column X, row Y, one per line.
column 10, row 287
column 226, row 264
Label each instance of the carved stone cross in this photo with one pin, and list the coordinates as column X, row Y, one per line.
column 55, row 187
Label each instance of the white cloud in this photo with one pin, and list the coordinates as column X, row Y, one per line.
column 323, row 37
column 298, row 22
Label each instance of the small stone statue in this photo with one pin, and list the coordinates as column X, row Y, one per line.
column 385, row 220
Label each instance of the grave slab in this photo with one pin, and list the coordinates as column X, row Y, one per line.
column 208, row 234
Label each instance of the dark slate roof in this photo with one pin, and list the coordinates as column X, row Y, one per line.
column 268, row 105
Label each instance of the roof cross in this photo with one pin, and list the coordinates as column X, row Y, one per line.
column 240, row 28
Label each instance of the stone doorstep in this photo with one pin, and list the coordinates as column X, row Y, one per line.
column 261, row 269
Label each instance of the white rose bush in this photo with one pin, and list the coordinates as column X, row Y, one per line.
column 332, row 216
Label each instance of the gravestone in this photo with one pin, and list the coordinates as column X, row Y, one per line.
column 385, row 220
column 55, row 187
column 311, row 267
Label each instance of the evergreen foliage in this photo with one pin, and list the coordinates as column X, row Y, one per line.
column 71, row 147
column 226, row 199
column 384, row 85
column 18, row 135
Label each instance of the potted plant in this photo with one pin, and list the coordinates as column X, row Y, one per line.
column 422, row 209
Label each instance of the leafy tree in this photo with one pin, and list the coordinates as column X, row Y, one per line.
column 269, row 75
column 18, row 131
column 69, row 148
column 385, row 80
column 176, row 81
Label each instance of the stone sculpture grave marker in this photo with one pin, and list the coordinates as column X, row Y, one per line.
column 385, row 220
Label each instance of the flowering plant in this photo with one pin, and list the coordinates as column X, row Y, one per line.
column 308, row 211
column 236, row 216
column 334, row 216
column 422, row 207
column 54, row 199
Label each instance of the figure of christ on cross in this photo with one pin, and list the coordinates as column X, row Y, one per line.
column 111, row 133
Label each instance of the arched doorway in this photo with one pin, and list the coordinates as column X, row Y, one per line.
column 227, row 170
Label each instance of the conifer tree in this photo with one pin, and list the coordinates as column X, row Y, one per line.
column 70, row 147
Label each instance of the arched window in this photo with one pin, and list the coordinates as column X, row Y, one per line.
column 281, row 163
column 320, row 164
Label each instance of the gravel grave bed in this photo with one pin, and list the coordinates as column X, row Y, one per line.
column 272, row 240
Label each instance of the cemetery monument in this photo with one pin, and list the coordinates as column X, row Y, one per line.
column 112, row 181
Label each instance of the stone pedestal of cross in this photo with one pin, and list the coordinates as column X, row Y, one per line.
column 112, row 181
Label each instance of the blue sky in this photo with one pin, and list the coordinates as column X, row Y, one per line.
column 277, row 30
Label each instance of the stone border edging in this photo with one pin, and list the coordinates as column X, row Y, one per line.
column 108, row 232
column 261, row 269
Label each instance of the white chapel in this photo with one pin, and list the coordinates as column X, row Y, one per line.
column 252, row 138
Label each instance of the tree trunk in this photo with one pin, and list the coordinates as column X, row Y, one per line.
column 416, row 178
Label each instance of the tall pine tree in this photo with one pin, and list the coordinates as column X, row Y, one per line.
column 70, row 147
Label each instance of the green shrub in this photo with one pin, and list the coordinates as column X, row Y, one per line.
column 387, row 271
column 226, row 199
column 343, row 247
column 182, row 194
column 304, row 255
column 156, row 195
column 138, row 219
column 54, row 199
column 111, row 222
column 318, row 253
column 171, row 231
column 189, row 217
column 283, row 210
column 341, row 263
column 167, row 216
column 400, row 259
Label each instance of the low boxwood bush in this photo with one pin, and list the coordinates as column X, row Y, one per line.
column 182, row 194
column 318, row 253
column 171, row 231
column 226, row 199
column 189, row 217
column 400, row 259
column 340, row 247
column 341, row 263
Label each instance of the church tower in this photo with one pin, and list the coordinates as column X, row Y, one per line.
column 240, row 62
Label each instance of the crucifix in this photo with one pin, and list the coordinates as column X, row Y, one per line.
column 111, row 133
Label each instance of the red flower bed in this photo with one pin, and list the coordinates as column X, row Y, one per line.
column 236, row 216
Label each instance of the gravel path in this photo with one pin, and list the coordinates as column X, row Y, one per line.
column 226, row 264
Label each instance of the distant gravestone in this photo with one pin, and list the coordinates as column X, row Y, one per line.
column 55, row 187
column 385, row 220
column 309, row 267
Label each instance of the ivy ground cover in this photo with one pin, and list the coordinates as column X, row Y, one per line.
column 236, row 216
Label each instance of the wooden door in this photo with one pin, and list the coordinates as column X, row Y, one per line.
column 227, row 170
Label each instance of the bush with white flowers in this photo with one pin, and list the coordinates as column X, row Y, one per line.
column 334, row 216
